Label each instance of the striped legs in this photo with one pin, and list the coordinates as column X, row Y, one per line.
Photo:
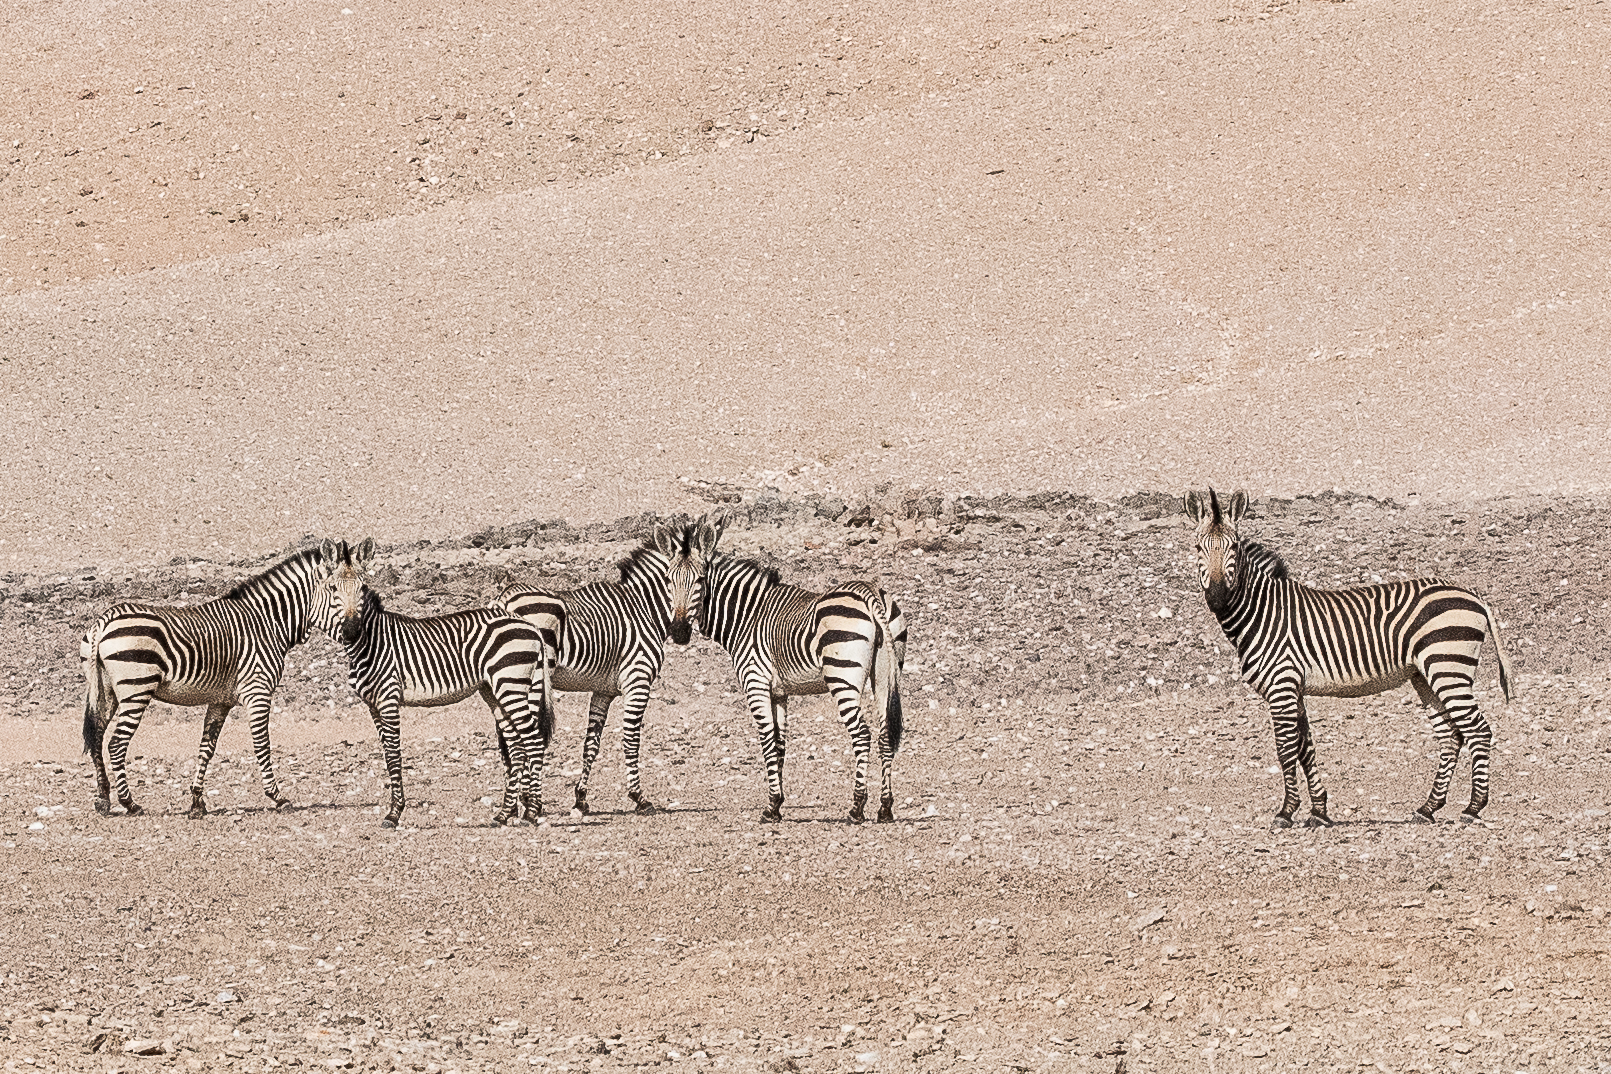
column 1458, row 724
column 384, row 713
column 598, row 713
column 211, row 726
column 1295, row 750
column 771, row 718
column 124, row 724
column 258, row 706
column 634, row 703
column 517, row 732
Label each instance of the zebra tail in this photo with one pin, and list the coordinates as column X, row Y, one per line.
column 545, row 704
column 1499, row 650
column 96, row 689
column 886, row 680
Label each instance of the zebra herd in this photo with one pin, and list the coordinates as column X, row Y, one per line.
column 608, row 639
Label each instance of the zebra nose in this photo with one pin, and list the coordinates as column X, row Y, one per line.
column 349, row 629
column 681, row 631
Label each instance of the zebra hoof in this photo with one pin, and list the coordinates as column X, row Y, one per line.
column 131, row 809
column 283, row 805
column 1469, row 818
column 1421, row 816
column 772, row 816
column 197, row 811
column 103, row 806
column 389, row 822
column 1319, row 820
column 644, row 807
column 858, row 815
column 886, row 815
column 1280, row 823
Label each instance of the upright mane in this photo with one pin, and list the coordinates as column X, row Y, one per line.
column 372, row 605
column 298, row 566
column 642, row 560
column 1256, row 559
column 753, row 567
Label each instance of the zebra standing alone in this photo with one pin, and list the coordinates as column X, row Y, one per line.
column 786, row 642
column 1295, row 641
column 226, row 652
column 396, row 660
column 611, row 639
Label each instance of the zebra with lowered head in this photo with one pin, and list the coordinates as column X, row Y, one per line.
column 787, row 642
column 225, row 652
column 1295, row 641
column 610, row 638
column 396, row 660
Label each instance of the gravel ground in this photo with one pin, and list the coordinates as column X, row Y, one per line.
column 1080, row 877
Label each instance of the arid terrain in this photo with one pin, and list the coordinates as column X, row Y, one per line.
column 962, row 296
column 1081, row 874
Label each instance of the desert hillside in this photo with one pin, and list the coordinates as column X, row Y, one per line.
column 1294, row 247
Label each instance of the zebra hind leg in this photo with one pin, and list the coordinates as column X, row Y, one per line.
column 512, row 747
column 124, row 725
column 1462, row 725
column 598, row 713
column 213, row 724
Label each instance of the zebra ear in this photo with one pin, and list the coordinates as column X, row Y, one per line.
column 664, row 538
column 1194, row 506
column 1238, row 507
column 707, row 533
column 329, row 552
column 363, row 554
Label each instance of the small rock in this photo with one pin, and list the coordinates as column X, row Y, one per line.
column 1254, row 1050
column 226, row 997
column 145, row 1047
column 1504, row 984
column 1148, row 919
column 1461, row 1046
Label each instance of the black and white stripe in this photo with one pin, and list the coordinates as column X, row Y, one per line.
column 396, row 660
column 787, row 642
column 611, row 640
column 226, row 652
column 1295, row 641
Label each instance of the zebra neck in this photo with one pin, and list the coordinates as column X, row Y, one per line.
column 283, row 594
column 733, row 589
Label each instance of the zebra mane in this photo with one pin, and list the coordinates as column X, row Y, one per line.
column 292, row 567
column 371, row 604
column 644, row 559
column 754, row 568
column 1256, row 559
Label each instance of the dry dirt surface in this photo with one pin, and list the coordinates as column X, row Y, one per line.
column 873, row 278
column 1081, row 875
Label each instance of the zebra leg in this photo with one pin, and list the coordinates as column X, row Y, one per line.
column 758, row 694
column 634, row 703
column 1318, row 817
column 1285, row 703
column 886, row 777
column 1448, row 750
column 848, row 699
column 384, row 713
column 259, row 706
column 512, row 745
column 598, row 712
column 1466, row 726
column 124, row 725
column 94, row 745
column 210, row 728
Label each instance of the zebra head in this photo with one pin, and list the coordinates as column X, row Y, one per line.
column 338, row 599
column 688, row 547
column 1217, row 544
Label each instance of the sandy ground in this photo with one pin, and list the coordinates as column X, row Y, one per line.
column 1081, row 876
column 430, row 271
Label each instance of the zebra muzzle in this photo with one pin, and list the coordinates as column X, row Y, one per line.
column 349, row 629
column 681, row 631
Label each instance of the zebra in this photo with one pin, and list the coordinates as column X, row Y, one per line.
column 787, row 642
column 396, row 660
column 1298, row 642
column 225, row 652
column 610, row 638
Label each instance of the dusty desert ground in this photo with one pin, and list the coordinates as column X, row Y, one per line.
column 959, row 296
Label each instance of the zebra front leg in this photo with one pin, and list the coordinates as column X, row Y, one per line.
column 1284, row 708
column 634, row 703
column 259, row 705
column 1318, row 817
column 211, row 726
column 598, row 713
column 759, row 697
column 385, row 717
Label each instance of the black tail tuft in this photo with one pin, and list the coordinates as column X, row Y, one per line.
column 92, row 730
column 892, row 718
column 545, row 721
